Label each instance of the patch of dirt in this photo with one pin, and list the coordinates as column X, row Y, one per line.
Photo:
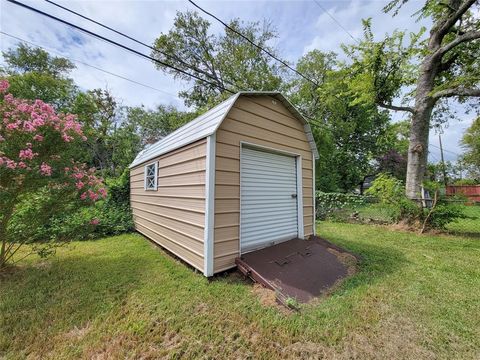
column 9, row 270
column 111, row 348
column 201, row 308
column 44, row 264
column 348, row 260
column 78, row 333
column 404, row 226
column 268, row 298
column 309, row 351
column 237, row 277
column 394, row 338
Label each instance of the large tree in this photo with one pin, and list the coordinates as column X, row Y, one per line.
column 432, row 69
column 35, row 74
column 471, row 143
column 140, row 127
column 225, row 60
column 39, row 172
column 349, row 134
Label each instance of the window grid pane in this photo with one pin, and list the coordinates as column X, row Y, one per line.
column 150, row 176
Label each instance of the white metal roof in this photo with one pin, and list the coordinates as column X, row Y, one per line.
column 207, row 123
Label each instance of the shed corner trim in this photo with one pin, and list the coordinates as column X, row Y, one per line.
column 209, row 206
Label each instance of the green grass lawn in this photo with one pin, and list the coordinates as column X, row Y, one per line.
column 413, row 297
column 469, row 226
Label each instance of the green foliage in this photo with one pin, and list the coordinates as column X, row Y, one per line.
column 103, row 219
column 348, row 134
column 389, row 190
column 110, row 217
column 34, row 223
column 327, row 203
column 34, row 210
column 25, row 59
column 471, row 144
column 34, row 74
column 383, row 69
column 226, row 59
column 292, row 303
column 380, row 69
column 466, row 182
column 386, row 188
column 445, row 213
column 119, row 189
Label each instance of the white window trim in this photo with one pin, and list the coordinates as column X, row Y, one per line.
column 145, row 177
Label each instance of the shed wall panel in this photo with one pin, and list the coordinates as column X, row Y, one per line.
column 173, row 215
column 262, row 121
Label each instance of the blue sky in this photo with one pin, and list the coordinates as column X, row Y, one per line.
column 301, row 25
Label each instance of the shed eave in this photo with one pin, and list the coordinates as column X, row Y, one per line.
column 208, row 123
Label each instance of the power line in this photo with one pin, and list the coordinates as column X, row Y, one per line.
column 451, row 152
column 168, row 56
column 91, row 33
column 107, row 40
column 269, row 53
column 336, row 21
column 86, row 64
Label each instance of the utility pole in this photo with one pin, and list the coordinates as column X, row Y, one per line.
column 444, row 170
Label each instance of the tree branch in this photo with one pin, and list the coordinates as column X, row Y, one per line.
column 444, row 66
column 458, row 91
column 395, row 108
column 469, row 36
column 454, row 17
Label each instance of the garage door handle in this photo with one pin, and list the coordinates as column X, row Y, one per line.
column 294, row 196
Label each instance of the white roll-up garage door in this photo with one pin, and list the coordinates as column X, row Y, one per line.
column 268, row 199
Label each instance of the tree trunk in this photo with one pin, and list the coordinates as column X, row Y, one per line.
column 420, row 127
column 8, row 212
column 418, row 148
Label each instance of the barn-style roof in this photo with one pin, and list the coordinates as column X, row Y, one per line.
column 208, row 123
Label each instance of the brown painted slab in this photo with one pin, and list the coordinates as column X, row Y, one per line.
column 299, row 269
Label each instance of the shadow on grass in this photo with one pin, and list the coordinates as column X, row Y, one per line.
column 375, row 261
column 49, row 298
column 465, row 234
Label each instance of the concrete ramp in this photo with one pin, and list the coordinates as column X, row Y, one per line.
column 298, row 269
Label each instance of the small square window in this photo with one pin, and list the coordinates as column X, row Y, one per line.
column 151, row 176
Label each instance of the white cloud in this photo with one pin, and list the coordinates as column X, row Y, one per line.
column 142, row 20
column 301, row 25
column 329, row 35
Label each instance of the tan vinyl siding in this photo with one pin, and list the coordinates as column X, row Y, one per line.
column 174, row 215
column 262, row 121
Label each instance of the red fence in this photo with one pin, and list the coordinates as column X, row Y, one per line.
column 472, row 192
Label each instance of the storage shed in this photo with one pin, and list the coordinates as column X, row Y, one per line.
column 238, row 178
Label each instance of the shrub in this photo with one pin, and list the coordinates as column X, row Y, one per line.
column 119, row 189
column 390, row 191
column 443, row 214
column 38, row 152
column 327, row 203
column 112, row 216
column 466, row 182
column 387, row 189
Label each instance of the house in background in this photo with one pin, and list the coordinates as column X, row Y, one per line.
column 236, row 179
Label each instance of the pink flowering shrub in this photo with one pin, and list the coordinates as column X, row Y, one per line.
column 38, row 150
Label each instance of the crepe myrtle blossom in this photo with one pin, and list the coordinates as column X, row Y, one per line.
column 38, row 148
column 36, row 141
